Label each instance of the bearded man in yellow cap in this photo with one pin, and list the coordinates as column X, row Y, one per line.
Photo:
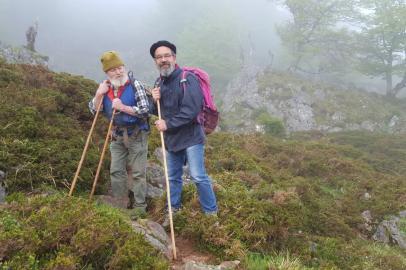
column 127, row 96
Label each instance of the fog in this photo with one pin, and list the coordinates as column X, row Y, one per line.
column 74, row 33
column 220, row 36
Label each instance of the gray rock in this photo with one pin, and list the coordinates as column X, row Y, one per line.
column 393, row 121
column 155, row 234
column 299, row 108
column 192, row 265
column 155, row 174
column 2, row 194
column 368, row 125
column 299, row 114
column 388, row 232
column 338, row 117
column 366, row 215
column 402, row 214
column 158, row 154
column 229, row 264
column 367, row 196
column 154, row 192
column 157, row 231
column 21, row 55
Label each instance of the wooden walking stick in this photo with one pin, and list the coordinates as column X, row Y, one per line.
column 106, row 141
column 72, row 187
column 168, row 190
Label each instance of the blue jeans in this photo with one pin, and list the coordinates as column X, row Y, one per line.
column 195, row 158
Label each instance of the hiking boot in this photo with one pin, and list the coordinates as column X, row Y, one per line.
column 211, row 214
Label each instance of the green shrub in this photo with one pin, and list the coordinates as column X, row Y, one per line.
column 59, row 232
column 272, row 126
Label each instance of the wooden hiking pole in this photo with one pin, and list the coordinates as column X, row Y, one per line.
column 106, row 141
column 72, row 187
column 168, row 190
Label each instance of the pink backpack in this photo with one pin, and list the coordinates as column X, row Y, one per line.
column 208, row 116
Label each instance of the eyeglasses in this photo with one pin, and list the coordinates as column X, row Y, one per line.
column 161, row 57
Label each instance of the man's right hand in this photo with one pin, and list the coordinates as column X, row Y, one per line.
column 103, row 88
column 156, row 93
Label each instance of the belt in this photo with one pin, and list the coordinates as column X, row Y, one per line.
column 125, row 134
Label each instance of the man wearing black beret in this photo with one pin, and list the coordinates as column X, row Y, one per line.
column 184, row 136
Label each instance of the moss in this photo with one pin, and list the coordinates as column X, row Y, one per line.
column 9, row 75
column 58, row 232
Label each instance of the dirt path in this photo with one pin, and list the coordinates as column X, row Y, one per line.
column 187, row 251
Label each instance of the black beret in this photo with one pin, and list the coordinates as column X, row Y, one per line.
column 160, row 43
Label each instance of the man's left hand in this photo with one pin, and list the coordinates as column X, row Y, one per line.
column 117, row 104
column 161, row 125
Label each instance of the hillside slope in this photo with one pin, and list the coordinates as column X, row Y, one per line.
column 293, row 203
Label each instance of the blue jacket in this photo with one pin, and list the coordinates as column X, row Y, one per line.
column 179, row 109
column 121, row 119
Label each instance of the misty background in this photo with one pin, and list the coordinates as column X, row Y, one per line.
column 220, row 36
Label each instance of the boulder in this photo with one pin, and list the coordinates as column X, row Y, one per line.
column 388, row 232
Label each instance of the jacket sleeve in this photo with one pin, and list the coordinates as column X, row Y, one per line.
column 191, row 105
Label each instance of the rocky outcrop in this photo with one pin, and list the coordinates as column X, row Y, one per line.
column 155, row 180
column 388, row 231
column 303, row 105
column 155, row 234
column 22, row 55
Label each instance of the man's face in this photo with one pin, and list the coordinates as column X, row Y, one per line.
column 117, row 76
column 165, row 61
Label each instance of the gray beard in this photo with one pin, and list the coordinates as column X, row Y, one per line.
column 165, row 72
column 116, row 83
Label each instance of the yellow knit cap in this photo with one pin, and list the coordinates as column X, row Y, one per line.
column 110, row 60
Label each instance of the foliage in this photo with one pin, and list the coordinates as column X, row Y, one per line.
column 329, row 36
column 278, row 261
column 44, row 122
column 302, row 196
column 272, row 126
column 313, row 38
column 381, row 41
column 59, row 232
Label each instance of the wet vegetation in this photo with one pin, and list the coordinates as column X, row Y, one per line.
column 285, row 203
column 59, row 232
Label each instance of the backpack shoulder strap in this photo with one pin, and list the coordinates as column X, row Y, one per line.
column 132, row 79
column 183, row 79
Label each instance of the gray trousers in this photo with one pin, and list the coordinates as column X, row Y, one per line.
column 133, row 158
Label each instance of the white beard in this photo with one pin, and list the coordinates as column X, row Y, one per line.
column 116, row 83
